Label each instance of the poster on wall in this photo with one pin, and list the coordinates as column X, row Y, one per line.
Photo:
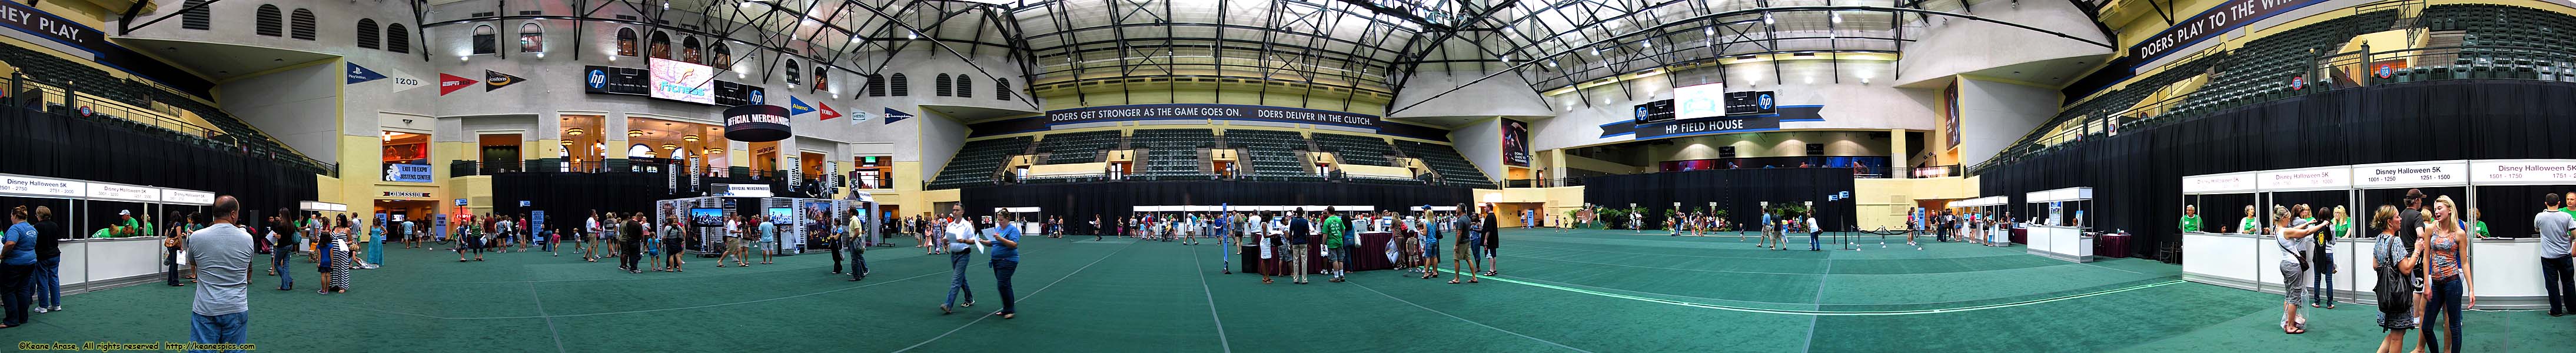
column 683, row 81
column 1950, row 117
column 1516, row 143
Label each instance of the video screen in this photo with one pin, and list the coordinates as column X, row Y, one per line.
column 707, row 217
column 683, row 81
column 783, row 216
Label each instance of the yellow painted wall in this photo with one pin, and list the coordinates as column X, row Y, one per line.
column 1884, row 202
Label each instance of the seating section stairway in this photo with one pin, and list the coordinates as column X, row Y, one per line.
column 1077, row 147
column 1173, row 154
column 1273, row 155
column 1453, row 169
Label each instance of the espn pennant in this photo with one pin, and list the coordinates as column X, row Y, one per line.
column 450, row 83
column 828, row 113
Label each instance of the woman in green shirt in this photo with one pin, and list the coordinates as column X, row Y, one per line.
column 2477, row 226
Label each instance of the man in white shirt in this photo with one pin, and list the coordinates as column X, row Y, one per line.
column 960, row 234
column 590, row 233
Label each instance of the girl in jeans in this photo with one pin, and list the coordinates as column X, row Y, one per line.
column 2449, row 282
column 2325, row 290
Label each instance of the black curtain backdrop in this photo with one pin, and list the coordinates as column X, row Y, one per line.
column 2137, row 175
column 1078, row 202
column 1739, row 191
column 68, row 147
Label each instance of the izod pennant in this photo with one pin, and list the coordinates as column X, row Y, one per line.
column 450, row 83
column 493, row 80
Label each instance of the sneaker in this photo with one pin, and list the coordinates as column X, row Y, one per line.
column 56, row 308
column 41, row 310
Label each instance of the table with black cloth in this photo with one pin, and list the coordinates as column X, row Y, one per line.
column 1371, row 255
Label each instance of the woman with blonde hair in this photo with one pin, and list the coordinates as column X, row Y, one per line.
column 2449, row 285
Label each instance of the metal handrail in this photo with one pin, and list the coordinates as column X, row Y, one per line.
column 72, row 101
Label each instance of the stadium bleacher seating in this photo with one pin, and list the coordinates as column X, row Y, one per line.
column 979, row 162
column 1173, row 154
column 1076, row 147
column 1361, row 150
column 1444, row 160
column 1273, row 155
column 52, row 70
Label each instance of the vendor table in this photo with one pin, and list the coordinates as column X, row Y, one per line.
column 1371, row 256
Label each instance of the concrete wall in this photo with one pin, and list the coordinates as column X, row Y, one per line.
column 1993, row 114
column 294, row 105
column 1482, row 143
column 940, row 138
column 1950, row 46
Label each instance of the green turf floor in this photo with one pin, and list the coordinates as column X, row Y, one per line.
column 1596, row 291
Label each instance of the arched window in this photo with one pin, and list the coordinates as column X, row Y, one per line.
column 626, row 42
column 199, row 18
column 1001, row 88
column 300, row 24
column 876, row 85
column 792, row 77
column 689, row 51
column 965, row 86
column 940, row 85
column 486, row 40
column 902, row 86
column 639, row 150
column 271, row 21
column 532, row 39
column 367, row 34
column 822, row 78
column 397, row 38
column 724, row 55
column 659, row 46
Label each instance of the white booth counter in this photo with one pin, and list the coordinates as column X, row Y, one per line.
column 95, row 264
column 2506, row 269
column 2059, row 242
column 2056, row 241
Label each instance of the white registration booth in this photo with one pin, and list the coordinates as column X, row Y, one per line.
column 2059, row 235
column 1990, row 205
column 2507, row 269
column 96, row 264
column 2220, row 253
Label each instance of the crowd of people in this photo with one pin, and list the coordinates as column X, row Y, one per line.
column 2418, row 251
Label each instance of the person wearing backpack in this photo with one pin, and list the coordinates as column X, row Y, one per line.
column 2394, row 264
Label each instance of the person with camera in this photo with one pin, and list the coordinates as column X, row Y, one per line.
column 2294, row 247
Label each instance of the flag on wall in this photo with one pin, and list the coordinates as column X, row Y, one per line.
column 796, row 106
column 360, row 74
column 493, row 80
column 450, row 83
column 828, row 113
column 895, row 115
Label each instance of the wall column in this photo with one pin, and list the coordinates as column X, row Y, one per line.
column 1896, row 151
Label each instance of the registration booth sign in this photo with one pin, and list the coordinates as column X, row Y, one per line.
column 2524, row 172
column 2328, row 178
column 104, row 191
column 42, row 187
column 2218, row 183
column 2409, row 174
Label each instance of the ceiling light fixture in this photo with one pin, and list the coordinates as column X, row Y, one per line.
column 689, row 138
column 573, row 131
column 634, row 133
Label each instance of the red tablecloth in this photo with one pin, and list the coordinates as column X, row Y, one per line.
column 1371, row 255
column 2020, row 235
column 2111, row 245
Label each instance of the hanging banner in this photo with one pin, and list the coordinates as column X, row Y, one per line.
column 832, row 172
column 694, row 173
column 795, row 172
column 1516, row 143
column 757, row 123
column 671, row 179
column 1208, row 111
column 360, row 74
column 892, row 116
column 2218, row 19
column 493, row 80
column 450, row 83
column 615, row 80
column 857, row 117
column 827, row 111
column 796, row 106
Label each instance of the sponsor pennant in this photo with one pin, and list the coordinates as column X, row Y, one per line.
column 828, row 113
column 797, row 107
column 892, row 116
column 493, row 80
column 360, row 74
column 450, row 83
